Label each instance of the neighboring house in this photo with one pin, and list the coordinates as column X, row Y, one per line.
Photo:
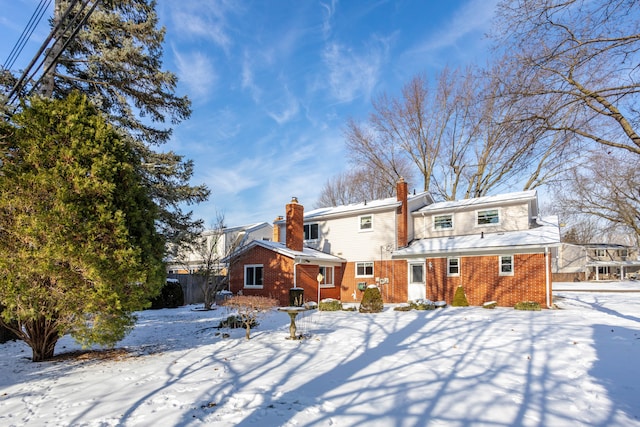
column 495, row 247
column 596, row 262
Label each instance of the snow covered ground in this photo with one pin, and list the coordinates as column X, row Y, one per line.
column 577, row 365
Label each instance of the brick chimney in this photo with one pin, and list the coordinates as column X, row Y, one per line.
column 276, row 228
column 402, row 216
column 295, row 225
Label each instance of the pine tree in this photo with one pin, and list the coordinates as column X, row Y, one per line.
column 116, row 60
column 79, row 251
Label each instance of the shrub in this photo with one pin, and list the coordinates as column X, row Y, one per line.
column 422, row 304
column 459, row 298
column 249, row 307
column 330, row 304
column 527, row 306
column 349, row 307
column 234, row 321
column 371, row 301
column 403, row 307
column 490, row 305
column 171, row 296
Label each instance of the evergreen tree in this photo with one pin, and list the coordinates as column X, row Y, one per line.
column 116, row 60
column 79, row 250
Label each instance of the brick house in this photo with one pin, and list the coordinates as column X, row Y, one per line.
column 410, row 247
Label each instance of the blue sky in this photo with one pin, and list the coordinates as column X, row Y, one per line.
column 274, row 82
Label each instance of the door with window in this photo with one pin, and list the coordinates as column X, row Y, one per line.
column 417, row 287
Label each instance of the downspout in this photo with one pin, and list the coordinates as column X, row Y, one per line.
column 546, row 273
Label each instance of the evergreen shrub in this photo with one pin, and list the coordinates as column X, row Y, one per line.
column 371, row 301
column 171, row 296
column 330, row 304
column 459, row 298
column 528, row 306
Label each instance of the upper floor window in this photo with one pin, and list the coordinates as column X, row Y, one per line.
column 601, row 253
column 327, row 277
column 310, row 231
column 490, row 216
column 364, row 269
column 453, row 266
column 623, row 253
column 253, row 275
column 506, row 265
column 366, row 222
column 416, row 273
column 442, row 222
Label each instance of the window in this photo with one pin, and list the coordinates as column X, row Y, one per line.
column 253, row 276
column 623, row 253
column 366, row 222
column 601, row 253
column 506, row 265
column 442, row 222
column 416, row 273
column 310, row 231
column 364, row 269
column 327, row 277
column 488, row 217
column 453, row 266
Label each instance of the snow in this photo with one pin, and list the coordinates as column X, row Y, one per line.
column 457, row 366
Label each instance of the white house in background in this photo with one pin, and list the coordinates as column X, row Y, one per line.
column 603, row 261
column 219, row 244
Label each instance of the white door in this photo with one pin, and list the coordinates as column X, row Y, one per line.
column 417, row 289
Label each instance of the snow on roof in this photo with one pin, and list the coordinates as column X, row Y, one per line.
column 546, row 234
column 309, row 254
column 372, row 205
column 487, row 200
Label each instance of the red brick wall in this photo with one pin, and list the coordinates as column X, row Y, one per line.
column 393, row 292
column 481, row 281
column 278, row 277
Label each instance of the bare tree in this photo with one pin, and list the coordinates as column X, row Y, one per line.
column 249, row 308
column 607, row 188
column 575, row 66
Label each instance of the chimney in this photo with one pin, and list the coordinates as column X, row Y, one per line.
column 402, row 217
column 276, row 228
column 295, row 225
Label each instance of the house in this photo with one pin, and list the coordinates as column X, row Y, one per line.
column 596, row 261
column 496, row 247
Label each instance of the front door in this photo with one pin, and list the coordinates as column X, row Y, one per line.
column 417, row 289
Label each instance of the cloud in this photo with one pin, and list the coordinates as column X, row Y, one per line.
column 329, row 10
column 352, row 74
column 196, row 71
column 248, row 81
column 288, row 107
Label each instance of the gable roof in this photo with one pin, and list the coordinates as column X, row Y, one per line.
column 499, row 200
column 365, row 207
column 546, row 234
column 306, row 255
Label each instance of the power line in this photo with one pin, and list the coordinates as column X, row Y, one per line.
column 35, row 19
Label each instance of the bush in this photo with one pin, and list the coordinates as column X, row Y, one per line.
column 460, row 299
column 171, row 296
column 403, row 307
column 249, row 307
column 236, row 322
column 422, row 304
column 527, row 306
column 490, row 305
column 349, row 307
column 371, row 301
column 330, row 304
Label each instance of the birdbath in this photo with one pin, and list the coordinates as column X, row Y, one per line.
column 292, row 312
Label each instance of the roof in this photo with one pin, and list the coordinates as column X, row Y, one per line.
column 500, row 199
column 366, row 206
column 307, row 254
column 546, row 234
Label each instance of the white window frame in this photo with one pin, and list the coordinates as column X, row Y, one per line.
column 489, row 224
column 365, row 264
column 325, row 283
column 601, row 253
column 411, row 277
column 501, row 263
column 309, row 227
column 435, row 223
column 449, row 273
column 365, row 229
column 253, row 266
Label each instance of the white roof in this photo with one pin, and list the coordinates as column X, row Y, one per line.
column 373, row 205
column 547, row 234
column 307, row 254
column 500, row 199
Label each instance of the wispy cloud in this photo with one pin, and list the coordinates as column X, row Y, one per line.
column 329, row 9
column 196, row 71
column 248, row 80
column 286, row 107
column 352, row 74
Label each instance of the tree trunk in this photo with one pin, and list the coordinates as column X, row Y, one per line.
column 41, row 336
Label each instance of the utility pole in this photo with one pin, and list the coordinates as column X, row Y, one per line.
column 53, row 52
